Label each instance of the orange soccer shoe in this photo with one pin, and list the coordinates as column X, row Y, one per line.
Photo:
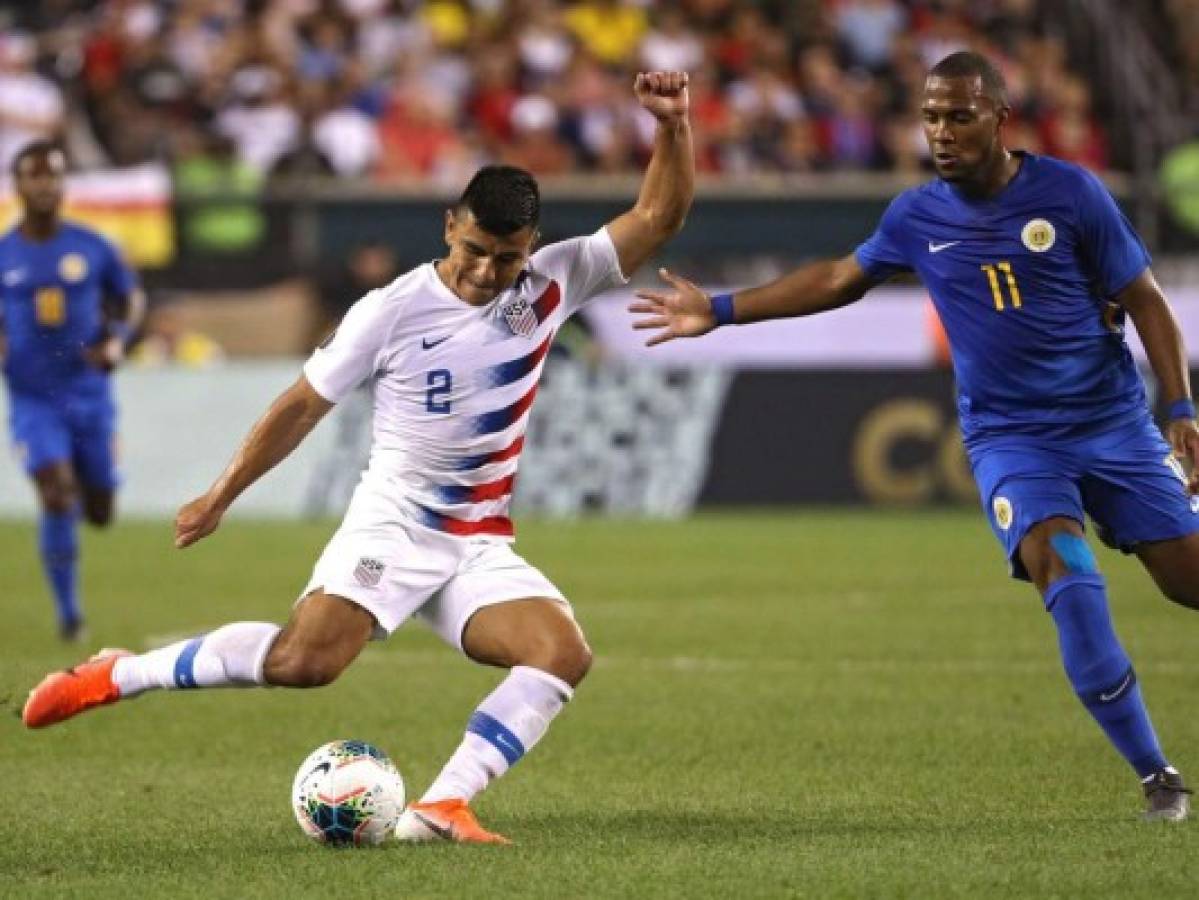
column 69, row 692
column 444, row 820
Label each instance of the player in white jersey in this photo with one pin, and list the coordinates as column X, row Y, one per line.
column 455, row 349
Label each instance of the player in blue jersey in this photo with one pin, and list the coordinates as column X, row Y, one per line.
column 1033, row 269
column 67, row 308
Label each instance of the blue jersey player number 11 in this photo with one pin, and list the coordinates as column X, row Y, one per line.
column 1033, row 270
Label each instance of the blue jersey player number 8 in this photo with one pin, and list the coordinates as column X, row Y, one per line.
column 67, row 304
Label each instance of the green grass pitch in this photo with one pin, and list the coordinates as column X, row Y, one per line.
column 816, row 704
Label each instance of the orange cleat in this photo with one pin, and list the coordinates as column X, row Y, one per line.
column 69, row 692
column 444, row 820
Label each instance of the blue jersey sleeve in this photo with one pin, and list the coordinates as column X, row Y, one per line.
column 882, row 254
column 1112, row 247
column 117, row 278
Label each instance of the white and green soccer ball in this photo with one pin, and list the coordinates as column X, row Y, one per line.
column 348, row 793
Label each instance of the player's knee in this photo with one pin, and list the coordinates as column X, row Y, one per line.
column 60, row 496
column 564, row 654
column 1073, row 555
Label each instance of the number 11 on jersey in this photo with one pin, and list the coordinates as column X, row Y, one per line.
column 996, row 289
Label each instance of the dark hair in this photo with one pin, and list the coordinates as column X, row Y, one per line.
column 35, row 148
column 965, row 64
column 503, row 199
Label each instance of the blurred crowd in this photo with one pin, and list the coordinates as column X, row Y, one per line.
column 231, row 92
column 1183, row 16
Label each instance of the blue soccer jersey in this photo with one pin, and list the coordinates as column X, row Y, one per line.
column 51, row 299
column 1022, row 282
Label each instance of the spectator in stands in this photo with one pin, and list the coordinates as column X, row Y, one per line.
column 1068, row 130
column 536, row 145
column 261, row 121
column 596, row 119
column 221, row 214
column 868, row 29
column 712, row 120
column 736, row 47
column 611, row 30
column 31, row 106
column 418, row 128
column 437, row 81
column 544, row 45
column 340, row 131
column 671, row 45
column 306, row 158
column 496, row 90
column 848, row 133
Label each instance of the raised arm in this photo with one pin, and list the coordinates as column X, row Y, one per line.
column 286, row 423
column 686, row 311
column 1155, row 323
column 669, row 182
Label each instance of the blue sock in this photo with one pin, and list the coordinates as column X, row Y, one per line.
column 59, row 545
column 1100, row 671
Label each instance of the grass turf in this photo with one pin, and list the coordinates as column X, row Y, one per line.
column 813, row 704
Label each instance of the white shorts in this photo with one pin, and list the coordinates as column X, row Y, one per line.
column 395, row 571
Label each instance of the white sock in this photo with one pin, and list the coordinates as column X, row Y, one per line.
column 504, row 728
column 231, row 655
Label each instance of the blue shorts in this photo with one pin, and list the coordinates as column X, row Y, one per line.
column 1126, row 479
column 79, row 431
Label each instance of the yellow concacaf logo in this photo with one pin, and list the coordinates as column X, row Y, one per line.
column 73, row 267
column 1038, row 235
column 1003, row 512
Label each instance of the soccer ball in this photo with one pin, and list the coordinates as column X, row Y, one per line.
column 348, row 793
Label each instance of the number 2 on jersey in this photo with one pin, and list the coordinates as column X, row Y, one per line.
column 997, row 289
column 50, row 307
column 437, row 398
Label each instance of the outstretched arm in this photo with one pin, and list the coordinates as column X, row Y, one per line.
column 669, row 182
column 290, row 418
column 1150, row 313
column 686, row 311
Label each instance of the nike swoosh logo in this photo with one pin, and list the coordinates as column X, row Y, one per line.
column 937, row 248
column 1108, row 698
column 427, row 344
column 442, row 831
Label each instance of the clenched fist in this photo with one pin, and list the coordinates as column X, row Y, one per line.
column 663, row 93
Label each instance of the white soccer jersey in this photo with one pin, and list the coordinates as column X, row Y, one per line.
column 454, row 383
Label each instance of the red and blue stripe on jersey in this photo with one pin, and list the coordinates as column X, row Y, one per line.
column 494, row 422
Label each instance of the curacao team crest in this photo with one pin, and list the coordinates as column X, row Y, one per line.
column 73, row 267
column 1038, row 235
column 1002, row 508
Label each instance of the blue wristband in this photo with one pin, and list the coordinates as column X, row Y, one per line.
column 722, row 309
column 1181, row 409
column 122, row 330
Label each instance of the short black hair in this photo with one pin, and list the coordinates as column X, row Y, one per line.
column 503, row 199
column 34, row 148
column 966, row 64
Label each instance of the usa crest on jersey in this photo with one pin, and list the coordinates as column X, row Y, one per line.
column 519, row 315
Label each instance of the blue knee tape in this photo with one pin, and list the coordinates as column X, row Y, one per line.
column 1075, row 553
